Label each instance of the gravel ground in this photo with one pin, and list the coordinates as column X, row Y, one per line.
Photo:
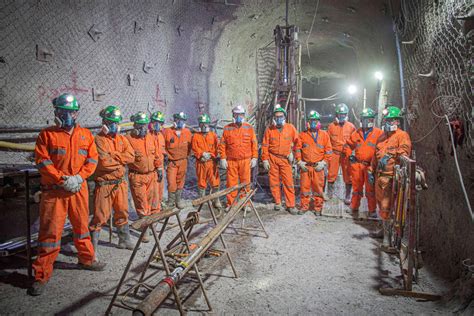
column 307, row 266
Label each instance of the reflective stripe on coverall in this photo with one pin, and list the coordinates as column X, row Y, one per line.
column 238, row 146
column 111, row 190
column 340, row 157
column 57, row 154
column 314, row 147
column 276, row 146
column 364, row 152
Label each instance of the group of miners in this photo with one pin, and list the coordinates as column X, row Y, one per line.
column 68, row 154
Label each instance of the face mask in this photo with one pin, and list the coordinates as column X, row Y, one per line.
column 315, row 125
column 64, row 119
column 140, row 130
column 366, row 124
column 341, row 118
column 279, row 121
column 156, row 126
column 112, row 128
column 204, row 128
column 179, row 124
column 390, row 126
column 238, row 120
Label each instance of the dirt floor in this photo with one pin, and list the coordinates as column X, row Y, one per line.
column 308, row 265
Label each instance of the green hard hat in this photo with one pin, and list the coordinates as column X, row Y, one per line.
column 204, row 119
column 180, row 116
column 158, row 117
column 367, row 113
column 278, row 108
column 313, row 115
column 111, row 113
column 66, row 101
column 342, row 108
column 140, row 118
column 392, row 112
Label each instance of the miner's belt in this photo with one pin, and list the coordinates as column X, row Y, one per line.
column 384, row 174
column 365, row 163
column 312, row 164
column 109, row 182
column 50, row 187
column 138, row 172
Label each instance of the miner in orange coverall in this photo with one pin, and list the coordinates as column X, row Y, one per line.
column 204, row 145
column 156, row 129
column 339, row 132
column 111, row 189
column 143, row 173
column 178, row 148
column 393, row 143
column 278, row 144
column 314, row 148
column 65, row 156
column 363, row 142
column 238, row 150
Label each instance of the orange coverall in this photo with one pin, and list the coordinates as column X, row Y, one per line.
column 178, row 149
column 313, row 147
column 160, row 143
column 142, row 174
column 339, row 136
column 364, row 152
column 396, row 144
column 276, row 146
column 206, row 172
column 111, row 190
column 238, row 146
column 57, row 154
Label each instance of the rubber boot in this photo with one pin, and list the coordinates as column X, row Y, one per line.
column 95, row 236
column 95, row 266
column 37, row 288
column 277, row 207
column 171, row 199
column 294, row 211
column 347, row 199
column 216, row 202
column 179, row 202
column 201, row 193
column 330, row 190
column 386, row 235
column 124, row 237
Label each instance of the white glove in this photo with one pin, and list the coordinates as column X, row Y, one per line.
column 72, row 183
column 266, row 165
column 302, row 165
column 253, row 162
column 320, row 165
column 206, row 155
column 223, row 164
column 291, row 158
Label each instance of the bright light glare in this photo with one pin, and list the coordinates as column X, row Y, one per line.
column 378, row 75
column 352, row 89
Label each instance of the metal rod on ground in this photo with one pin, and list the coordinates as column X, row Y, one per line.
column 164, row 287
column 110, row 227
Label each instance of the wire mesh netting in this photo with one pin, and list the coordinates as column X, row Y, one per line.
column 438, row 61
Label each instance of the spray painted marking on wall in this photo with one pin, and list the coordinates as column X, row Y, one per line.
column 157, row 98
column 46, row 93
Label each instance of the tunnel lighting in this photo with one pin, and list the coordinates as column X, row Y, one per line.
column 352, row 89
column 378, row 75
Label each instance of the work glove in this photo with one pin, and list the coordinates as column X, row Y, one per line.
column 291, row 158
column 352, row 158
column 302, row 165
column 205, row 156
column 371, row 178
column 320, row 165
column 266, row 165
column 383, row 162
column 72, row 183
column 253, row 162
column 223, row 164
column 159, row 172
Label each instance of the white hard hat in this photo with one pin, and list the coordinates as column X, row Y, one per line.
column 239, row 109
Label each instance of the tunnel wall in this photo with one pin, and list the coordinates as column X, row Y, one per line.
column 442, row 53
